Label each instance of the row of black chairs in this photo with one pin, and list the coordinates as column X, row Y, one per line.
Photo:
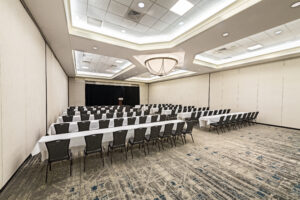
column 111, row 112
column 58, row 150
column 85, row 125
column 85, row 116
column 235, row 121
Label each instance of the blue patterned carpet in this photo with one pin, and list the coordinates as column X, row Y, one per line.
column 257, row 162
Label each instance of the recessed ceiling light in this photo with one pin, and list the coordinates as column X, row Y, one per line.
column 141, row 4
column 119, row 61
column 258, row 46
column 225, row 34
column 278, row 32
column 181, row 23
column 296, row 4
column 95, row 48
column 181, row 7
column 123, row 31
column 84, row 67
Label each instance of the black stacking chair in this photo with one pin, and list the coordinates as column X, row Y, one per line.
column 251, row 116
column 153, row 136
column 109, row 115
column 147, row 112
column 188, row 130
column 84, row 126
column 172, row 115
column 118, row 122
column 220, row 112
column 237, row 120
column 93, row 144
column 162, row 118
column 246, row 118
column 142, row 119
column 58, row 150
column 98, row 116
column 224, row 111
column 210, row 113
column 178, row 132
column 83, row 112
column 138, row 113
column 68, row 118
column 154, row 118
column 228, row 111
column 232, row 122
column 139, row 136
column 72, row 107
column 218, row 124
column 71, row 112
column 254, row 118
column 84, row 117
column 241, row 120
column 205, row 113
column 131, row 120
column 226, row 122
column 127, row 109
column 61, row 128
column 129, row 114
column 103, row 124
column 215, row 112
column 193, row 117
column 167, row 134
column 93, row 112
column 119, row 114
column 119, row 142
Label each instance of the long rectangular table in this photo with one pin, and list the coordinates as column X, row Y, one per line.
column 98, row 112
column 77, row 142
column 185, row 115
column 204, row 121
column 95, row 124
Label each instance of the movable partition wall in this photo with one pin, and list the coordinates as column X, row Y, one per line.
column 96, row 94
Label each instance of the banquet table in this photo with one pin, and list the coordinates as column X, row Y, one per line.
column 77, row 118
column 95, row 124
column 98, row 111
column 185, row 115
column 207, row 120
column 77, row 142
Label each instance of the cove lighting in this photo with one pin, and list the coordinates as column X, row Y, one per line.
column 258, row 46
column 181, row 7
column 119, row 61
column 296, row 4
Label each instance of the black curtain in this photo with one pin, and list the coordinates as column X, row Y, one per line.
column 109, row 94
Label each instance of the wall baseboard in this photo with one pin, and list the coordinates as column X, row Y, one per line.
column 278, row 126
column 4, row 186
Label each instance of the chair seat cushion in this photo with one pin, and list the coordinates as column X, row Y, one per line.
column 92, row 151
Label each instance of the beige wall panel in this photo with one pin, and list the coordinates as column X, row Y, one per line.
column 216, row 90
column 76, row 92
column 270, row 92
column 57, row 88
column 144, row 89
column 291, row 93
column 22, row 51
column 248, row 89
column 185, row 91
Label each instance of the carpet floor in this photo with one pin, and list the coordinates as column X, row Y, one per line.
column 256, row 162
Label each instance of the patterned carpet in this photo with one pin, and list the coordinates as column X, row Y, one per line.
column 257, row 162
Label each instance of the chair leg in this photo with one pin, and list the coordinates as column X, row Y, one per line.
column 71, row 163
column 131, row 151
column 46, row 172
column 162, row 146
column 84, row 163
column 192, row 137
column 49, row 166
column 102, row 158
column 125, row 152
column 144, row 149
column 111, row 155
column 158, row 144
column 148, row 147
column 174, row 140
column 182, row 139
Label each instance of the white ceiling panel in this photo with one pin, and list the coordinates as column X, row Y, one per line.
column 113, row 18
column 147, row 5
column 157, row 11
column 148, row 20
column 117, row 8
column 124, row 2
column 128, row 23
column 170, row 17
column 95, row 12
column 166, row 3
column 141, row 28
column 159, row 25
column 102, row 4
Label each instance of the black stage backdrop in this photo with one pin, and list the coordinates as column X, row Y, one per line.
column 109, row 94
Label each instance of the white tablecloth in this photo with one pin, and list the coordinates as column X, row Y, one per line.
column 77, row 141
column 204, row 121
column 95, row 124
column 185, row 115
column 166, row 112
column 89, row 112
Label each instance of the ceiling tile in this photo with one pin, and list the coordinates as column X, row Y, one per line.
column 148, row 20
column 170, row 17
column 95, row 12
column 128, row 23
column 117, row 8
column 147, row 5
column 159, row 25
column 124, row 2
column 79, row 7
column 157, row 11
column 141, row 28
column 113, row 18
column 166, row 3
column 102, row 4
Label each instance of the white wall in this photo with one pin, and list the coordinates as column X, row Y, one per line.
column 77, row 90
column 23, row 87
column 185, row 91
column 57, row 88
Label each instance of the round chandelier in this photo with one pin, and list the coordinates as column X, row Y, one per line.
column 160, row 66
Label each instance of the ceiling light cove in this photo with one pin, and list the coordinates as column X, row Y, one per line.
column 255, row 47
column 181, row 7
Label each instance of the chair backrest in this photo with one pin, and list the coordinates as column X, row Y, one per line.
column 190, row 126
column 179, row 127
column 129, row 114
column 84, row 117
column 228, row 110
column 173, row 112
column 119, row 114
column 103, row 124
column 227, row 118
column 142, row 119
column 147, row 112
column 221, row 119
column 131, row 120
column 255, row 116
column 162, row 118
column 119, row 138
column 83, row 126
column 233, row 118
column 109, row 115
column 224, row 111
column 205, row 113
column 168, row 129
column 68, row 118
column 252, row 115
column 80, row 108
column 210, row 113
column 198, row 114
column 154, row 132
column 154, row 118
column 139, row 134
column 220, row 111
column 138, row 113
column 71, row 112
column 93, row 142
column 193, row 115
column 58, row 149
column 98, row 116
column 94, row 112
column 83, row 112
column 61, row 128
column 239, row 117
column 118, row 122
column 215, row 112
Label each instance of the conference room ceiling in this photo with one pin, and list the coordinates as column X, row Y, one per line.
column 242, row 20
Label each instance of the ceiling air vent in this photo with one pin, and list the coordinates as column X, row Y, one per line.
column 94, row 21
column 134, row 15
